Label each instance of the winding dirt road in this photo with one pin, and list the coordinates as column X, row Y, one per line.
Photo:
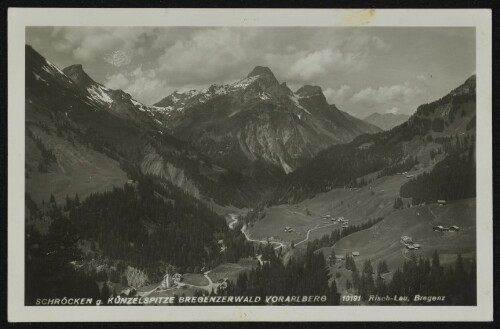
column 259, row 258
column 234, row 220
column 313, row 229
column 244, row 230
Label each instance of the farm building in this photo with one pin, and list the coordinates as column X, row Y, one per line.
column 442, row 202
column 355, row 253
column 416, row 246
column 439, row 228
column 339, row 257
column 171, row 280
column 221, row 280
column 177, row 277
column 410, row 247
column 128, row 292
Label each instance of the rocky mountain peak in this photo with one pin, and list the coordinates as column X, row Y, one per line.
column 261, row 71
column 308, row 91
column 468, row 87
column 78, row 75
column 285, row 88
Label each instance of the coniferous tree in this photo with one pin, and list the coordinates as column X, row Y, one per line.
column 398, row 203
column 105, row 293
column 334, row 294
column 332, row 257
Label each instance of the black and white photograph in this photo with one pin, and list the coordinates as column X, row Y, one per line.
column 182, row 166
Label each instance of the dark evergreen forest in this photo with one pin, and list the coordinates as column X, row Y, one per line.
column 421, row 276
column 452, row 178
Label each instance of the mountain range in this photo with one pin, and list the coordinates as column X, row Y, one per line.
column 386, row 121
column 232, row 144
column 259, row 119
column 91, row 137
column 243, row 136
column 432, row 126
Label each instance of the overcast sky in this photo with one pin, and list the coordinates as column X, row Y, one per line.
column 361, row 70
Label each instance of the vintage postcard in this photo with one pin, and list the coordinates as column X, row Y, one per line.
column 249, row 165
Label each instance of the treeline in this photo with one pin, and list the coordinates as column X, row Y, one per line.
column 337, row 234
column 146, row 225
column 419, row 277
column 452, row 178
column 401, row 167
column 150, row 222
column 237, row 246
column 49, row 272
column 337, row 166
column 303, row 276
column 435, row 152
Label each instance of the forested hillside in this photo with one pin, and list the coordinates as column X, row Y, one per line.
column 341, row 165
column 453, row 178
column 147, row 225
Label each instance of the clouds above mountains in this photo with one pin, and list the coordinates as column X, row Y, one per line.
column 371, row 96
column 361, row 69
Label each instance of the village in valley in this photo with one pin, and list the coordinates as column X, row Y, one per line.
column 397, row 236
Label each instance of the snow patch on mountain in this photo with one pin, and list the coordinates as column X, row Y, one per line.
column 221, row 89
column 191, row 93
column 51, row 68
column 286, row 168
column 40, row 78
column 165, row 110
column 295, row 99
column 232, row 114
column 245, row 82
column 136, row 103
column 99, row 94
column 264, row 96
